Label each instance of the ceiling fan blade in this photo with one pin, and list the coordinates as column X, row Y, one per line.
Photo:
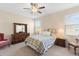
column 31, row 3
column 39, row 12
column 42, row 7
column 34, row 4
column 26, row 8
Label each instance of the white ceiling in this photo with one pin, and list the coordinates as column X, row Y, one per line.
column 17, row 8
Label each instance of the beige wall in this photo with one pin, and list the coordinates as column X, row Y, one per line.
column 6, row 23
column 56, row 20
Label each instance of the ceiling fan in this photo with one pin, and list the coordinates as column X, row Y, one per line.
column 35, row 8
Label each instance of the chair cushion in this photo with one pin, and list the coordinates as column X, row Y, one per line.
column 2, row 43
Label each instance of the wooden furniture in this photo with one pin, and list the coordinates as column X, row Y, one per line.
column 19, row 37
column 60, row 42
column 20, row 33
column 74, row 44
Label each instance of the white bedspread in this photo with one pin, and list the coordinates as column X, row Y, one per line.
column 48, row 41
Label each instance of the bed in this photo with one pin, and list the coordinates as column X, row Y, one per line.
column 40, row 42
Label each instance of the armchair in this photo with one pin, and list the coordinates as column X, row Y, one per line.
column 3, row 42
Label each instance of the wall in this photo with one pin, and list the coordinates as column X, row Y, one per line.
column 6, row 23
column 56, row 20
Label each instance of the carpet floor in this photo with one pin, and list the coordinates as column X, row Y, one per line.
column 21, row 49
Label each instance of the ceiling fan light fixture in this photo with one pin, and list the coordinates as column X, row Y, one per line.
column 34, row 9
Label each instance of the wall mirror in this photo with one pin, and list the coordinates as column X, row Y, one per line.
column 19, row 27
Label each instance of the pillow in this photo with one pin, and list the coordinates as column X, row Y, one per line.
column 46, row 33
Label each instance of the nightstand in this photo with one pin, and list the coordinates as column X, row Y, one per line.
column 60, row 42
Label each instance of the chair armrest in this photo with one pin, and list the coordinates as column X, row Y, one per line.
column 9, row 42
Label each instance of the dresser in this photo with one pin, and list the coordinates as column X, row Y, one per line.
column 19, row 37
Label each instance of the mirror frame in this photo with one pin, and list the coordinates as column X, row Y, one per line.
column 15, row 24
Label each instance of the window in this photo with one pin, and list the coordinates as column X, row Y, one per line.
column 72, row 29
column 72, row 24
column 37, row 26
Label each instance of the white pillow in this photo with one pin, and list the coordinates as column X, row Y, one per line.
column 47, row 33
